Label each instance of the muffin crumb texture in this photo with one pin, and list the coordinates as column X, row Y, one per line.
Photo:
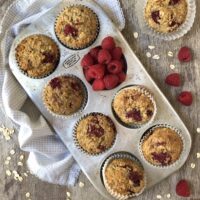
column 166, row 15
column 163, row 147
column 77, row 26
column 132, row 106
column 37, row 55
column 124, row 177
column 95, row 133
column 64, row 95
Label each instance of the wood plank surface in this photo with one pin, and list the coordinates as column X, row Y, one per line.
column 158, row 69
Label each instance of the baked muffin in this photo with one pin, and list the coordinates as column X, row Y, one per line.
column 124, row 178
column 166, row 15
column 37, row 55
column 133, row 106
column 77, row 27
column 64, row 95
column 95, row 133
column 162, row 147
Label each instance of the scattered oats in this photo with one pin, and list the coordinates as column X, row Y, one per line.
column 68, row 194
column 7, row 162
column 14, row 172
column 6, row 132
column 156, row 57
column 193, row 165
column 21, row 157
column 198, row 155
column 168, row 196
column 135, row 34
column 12, row 152
column 151, row 47
column 28, row 195
column 8, row 158
column 172, row 66
column 81, row 184
column 198, row 130
column 25, row 174
column 159, row 197
column 148, row 54
column 20, row 164
column 170, row 54
column 8, row 173
column 20, row 179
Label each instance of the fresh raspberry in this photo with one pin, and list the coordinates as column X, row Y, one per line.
column 185, row 54
column 173, row 79
column 87, row 76
column 96, row 71
column 70, row 30
column 111, row 81
column 95, row 51
column 87, row 61
column 108, row 43
column 98, row 84
column 115, row 67
column 122, row 77
column 185, row 98
column 116, row 53
column 183, row 188
column 104, row 56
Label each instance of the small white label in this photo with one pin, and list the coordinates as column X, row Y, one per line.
column 71, row 60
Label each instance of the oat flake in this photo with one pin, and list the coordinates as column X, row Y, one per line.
column 135, row 34
column 170, row 54
column 68, row 194
column 12, row 152
column 172, row 66
column 81, row 184
column 159, row 197
column 151, row 47
column 198, row 155
column 168, row 196
column 28, row 194
column 156, row 57
column 198, row 130
column 148, row 54
column 8, row 173
column 193, row 165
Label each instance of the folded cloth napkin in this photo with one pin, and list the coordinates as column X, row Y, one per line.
column 49, row 159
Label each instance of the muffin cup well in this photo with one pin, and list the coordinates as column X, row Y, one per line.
column 56, row 65
column 146, row 92
column 105, row 164
column 89, row 44
column 149, row 132
column 77, row 143
column 83, row 104
column 179, row 32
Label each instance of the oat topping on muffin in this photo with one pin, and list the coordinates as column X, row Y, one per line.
column 124, row 176
column 64, row 95
column 162, row 147
column 166, row 15
column 77, row 26
column 37, row 55
column 133, row 106
column 95, row 133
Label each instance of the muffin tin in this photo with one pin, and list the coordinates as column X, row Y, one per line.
column 127, row 139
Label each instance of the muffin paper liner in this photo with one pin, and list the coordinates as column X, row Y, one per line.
column 77, row 143
column 26, row 74
column 149, row 132
column 179, row 32
column 146, row 92
column 84, row 101
column 104, row 166
column 89, row 44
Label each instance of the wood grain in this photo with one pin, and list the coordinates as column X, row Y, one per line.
column 158, row 69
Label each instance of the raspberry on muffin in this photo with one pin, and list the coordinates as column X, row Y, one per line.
column 77, row 27
column 95, row 133
column 165, row 15
column 37, row 55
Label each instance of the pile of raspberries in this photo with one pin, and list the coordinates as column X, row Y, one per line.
column 105, row 66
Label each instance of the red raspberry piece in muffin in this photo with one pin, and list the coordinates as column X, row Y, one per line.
column 70, row 30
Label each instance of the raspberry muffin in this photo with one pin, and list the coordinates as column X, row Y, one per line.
column 166, row 15
column 95, row 133
column 123, row 177
column 134, row 106
column 77, row 27
column 64, row 95
column 162, row 146
column 37, row 55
